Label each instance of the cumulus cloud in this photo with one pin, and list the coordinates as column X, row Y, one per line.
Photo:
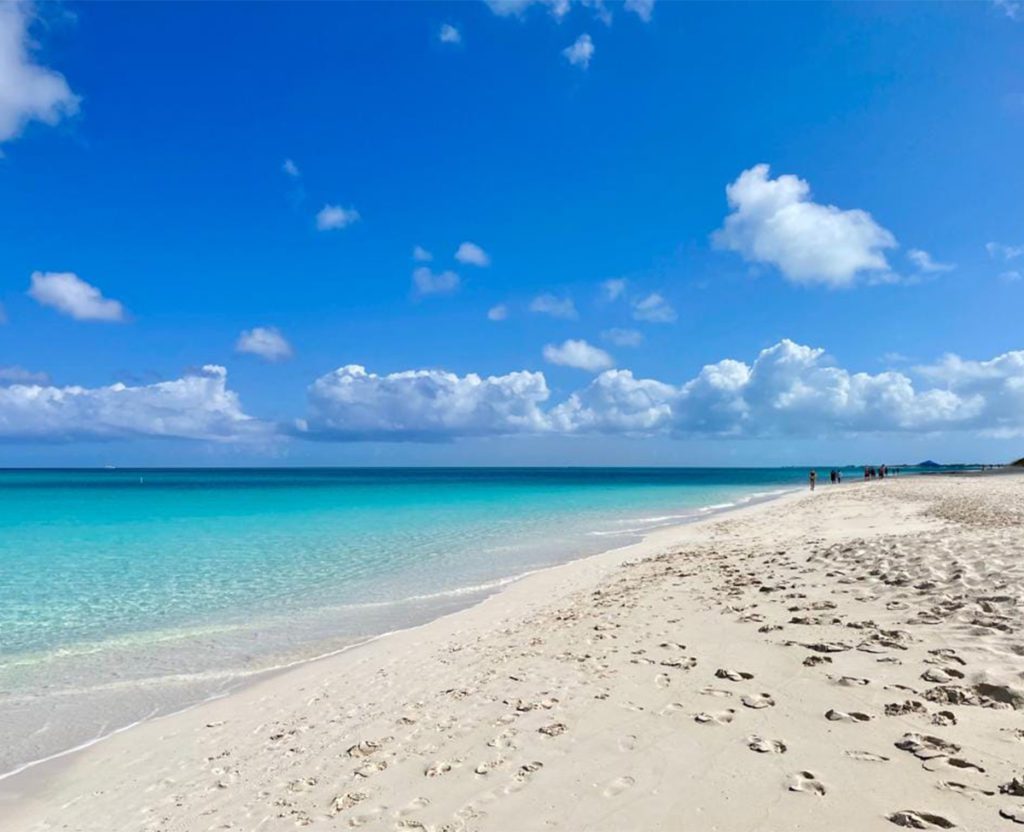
column 507, row 8
column 471, row 254
column 556, row 307
column 449, row 34
column 654, row 309
column 28, row 90
column 291, row 169
column 265, row 341
column 641, row 8
column 70, row 295
column 623, row 337
column 332, row 217
column 998, row 251
column 1013, row 9
column 422, row 405
column 775, row 221
column 580, row 51
column 613, row 289
column 427, row 282
column 578, row 354
column 14, row 374
column 789, row 390
column 421, row 255
column 197, row 406
column 925, row 264
column 498, row 312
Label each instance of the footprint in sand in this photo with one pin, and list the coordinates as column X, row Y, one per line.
column 852, row 681
column 920, row 820
column 866, row 756
column 1012, row 813
column 628, row 743
column 663, row 680
column 733, row 675
column 832, row 715
column 761, row 700
column 717, row 718
column 414, row 805
column 963, row 788
column 618, row 786
column 806, row 782
column 763, row 746
column 939, row 763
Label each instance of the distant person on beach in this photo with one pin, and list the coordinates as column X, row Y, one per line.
column 832, row 476
column 813, row 477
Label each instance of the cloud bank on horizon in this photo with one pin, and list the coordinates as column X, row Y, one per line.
column 788, row 390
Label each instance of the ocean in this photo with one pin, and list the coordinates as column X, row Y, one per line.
column 129, row 593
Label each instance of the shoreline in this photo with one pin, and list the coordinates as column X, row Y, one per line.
column 586, row 695
column 500, row 585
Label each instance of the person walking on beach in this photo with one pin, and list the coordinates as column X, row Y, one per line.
column 813, row 477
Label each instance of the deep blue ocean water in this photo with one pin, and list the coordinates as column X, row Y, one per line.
column 125, row 593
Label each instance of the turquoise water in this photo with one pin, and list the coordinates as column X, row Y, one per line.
column 125, row 593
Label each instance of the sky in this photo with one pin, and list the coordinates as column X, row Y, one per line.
column 511, row 232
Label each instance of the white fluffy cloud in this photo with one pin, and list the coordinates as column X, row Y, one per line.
column 506, row 8
column 556, row 307
column 623, row 337
column 265, row 341
column 13, row 374
column 69, row 294
column 925, row 264
column 332, row 217
column 449, row 34
column 471, row 254
column 427, row 282
column 197, row 406
column 788, row 390
column 775, row 221
column 423, row 405
column 580, row 51
column 654, row 309
column 613, row 289
column 643, row 9
column 998, row 251
column 578, row 354
column 498, row 312
column 421, row 255
column 28, row 91
column 291, row 169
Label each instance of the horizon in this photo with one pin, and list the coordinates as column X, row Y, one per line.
column 512, row 233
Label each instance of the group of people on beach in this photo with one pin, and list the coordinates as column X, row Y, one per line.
column 835, row 476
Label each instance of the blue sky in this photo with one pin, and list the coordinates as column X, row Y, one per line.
column 585, row 151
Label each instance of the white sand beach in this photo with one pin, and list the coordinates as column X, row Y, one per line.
column 850, row 659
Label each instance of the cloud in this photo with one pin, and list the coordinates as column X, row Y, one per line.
column 508, row 8
column 641, row 8
column 449, row 34
column 548, row 304
column 427, row 282
column 789, row 390
column 332, row 217
column 197, row 406
column 1011, row 276
column 422, row 405
column 613, row 289
column 578, row 354
column 654, row 309
column 580, row 51
column 13, row 374
column 471, row 254
column 421, row 255
column 497, row 313
column 997, row 251
column 1013, row 9
column 265, row 341
column 70, row 295
column 925, row 264
column 774, row 221
column 291, row 169
column 623, row 337
column 28, row 91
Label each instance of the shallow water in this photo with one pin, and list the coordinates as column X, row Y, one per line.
column 125, row 593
